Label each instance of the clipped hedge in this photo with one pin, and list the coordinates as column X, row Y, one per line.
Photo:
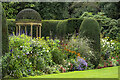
column 68, row 26
column 52, row 28
column 73, row 25
column 61, row 29
column 49, row 27
column 11, row 25
column 91, row 30
column 5, row 41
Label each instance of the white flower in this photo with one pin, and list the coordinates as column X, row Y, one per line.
column 107, row 42
column 112, row 43
column 47, row 50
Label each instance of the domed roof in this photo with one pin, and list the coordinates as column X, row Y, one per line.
column 28, row 15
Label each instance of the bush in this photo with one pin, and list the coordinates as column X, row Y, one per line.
column 80, row 47
column 91, row 30
column 73, row 25
column 57, row 54
column 11, row 25
column 61, row 29
column 109, row 26
column 5, row 41
column 49, row 28
column 68, row 27
column 110, row 48
column 26, row 56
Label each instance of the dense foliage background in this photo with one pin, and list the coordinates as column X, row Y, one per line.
column 60, row 10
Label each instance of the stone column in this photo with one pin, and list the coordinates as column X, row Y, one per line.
column 16, row 29
column 25, row 29
column 19, row 29
column 40, row 31
column 36, row 31
column 31, row 30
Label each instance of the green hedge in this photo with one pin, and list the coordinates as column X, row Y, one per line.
column 5, row 41
column 11, row 25
column 51, row 27
column 68, row 26
column 61, row 29
column 91, row 30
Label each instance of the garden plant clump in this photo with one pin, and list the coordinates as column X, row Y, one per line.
column 30, row 57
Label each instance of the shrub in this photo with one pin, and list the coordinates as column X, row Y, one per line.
column 81, row 64
column 91, row 30
column 110, row 48
column 109, row 26
column 26, row 57
column 57, row 54
column 49, row 28
column 11, row 25
column 73, row 25
column 61, row 29
column 5, row 41
column 80, row 47
column 68, row 27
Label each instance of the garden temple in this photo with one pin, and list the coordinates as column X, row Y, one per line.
column 28, row 18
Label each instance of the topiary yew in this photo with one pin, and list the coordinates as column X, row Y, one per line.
column 5, row 40
column 61, row 29
column 91, row 30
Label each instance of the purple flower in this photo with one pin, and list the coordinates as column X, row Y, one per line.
column 82, row 64
column 18, row 56
column 27, row 53
column 11, row 50
column 29, row 70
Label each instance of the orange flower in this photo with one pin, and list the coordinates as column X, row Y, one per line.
column 75, row 52
column 70, row 51
column 78, row 54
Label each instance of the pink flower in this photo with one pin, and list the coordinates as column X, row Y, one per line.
column 64, row 70
column 117, row 56
column 113, row 57
column 117, row 60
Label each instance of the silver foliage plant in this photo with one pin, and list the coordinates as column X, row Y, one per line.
column 82, row 46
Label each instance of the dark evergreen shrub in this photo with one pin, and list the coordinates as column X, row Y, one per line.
column 11, row 26
column 5, row 41
column 49, row 28
column 61, row 29
column 91, row 30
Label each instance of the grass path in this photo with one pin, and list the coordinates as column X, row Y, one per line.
column 109, row 72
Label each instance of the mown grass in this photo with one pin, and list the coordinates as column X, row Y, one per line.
column 109, row 72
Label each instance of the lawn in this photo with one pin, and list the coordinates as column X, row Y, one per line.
column 109, row 72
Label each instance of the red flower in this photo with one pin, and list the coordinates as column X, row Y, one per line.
column 67, row 49
column 117, row 60
column 66, row 44
column 64, row 70
column 61, row 67
column 113, row 57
